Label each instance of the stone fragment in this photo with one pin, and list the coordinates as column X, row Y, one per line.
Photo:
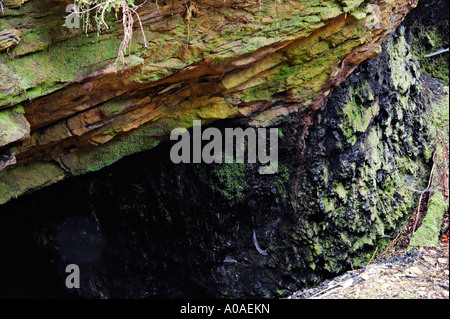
column 9, row 38
column 7, row 158
column 414, row 270
column 13, row 126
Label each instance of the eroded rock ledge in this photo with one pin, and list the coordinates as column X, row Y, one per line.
column 66, row 111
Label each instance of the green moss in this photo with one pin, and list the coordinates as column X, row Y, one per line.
column 428, row 233
column 216, row 108
column 152, row 72
column 363, row 240
column 350, row 5
column 309, row 64
column 226, row 179
column 345, row 239
column 17, row 180
column 403, row 65
column 381, row 192
column 440, row 116
column 329, row 204
column 274, row 80
column 357, row 118
column 359, row 14
column 341, row 192
column 426, row 40
column 62, row 64
column 143, row 138
column 280, row 132
column 283, row 176
column 362, row 259
column 428, row 153
column 281, row 291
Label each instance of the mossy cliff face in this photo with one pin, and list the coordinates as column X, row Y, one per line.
column 348, row 175
column 428, row 33
column 230, row 59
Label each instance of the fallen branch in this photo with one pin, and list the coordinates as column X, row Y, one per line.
column 371, row 258
column 444, row 179
column 394, row 241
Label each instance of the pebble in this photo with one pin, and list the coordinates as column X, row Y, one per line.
column 347, row 284
column 365, row 276
column 429, row 260
column 414, row 270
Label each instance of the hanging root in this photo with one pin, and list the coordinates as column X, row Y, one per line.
column 127, row 22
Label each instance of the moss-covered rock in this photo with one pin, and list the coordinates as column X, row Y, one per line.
column 13, row 126
column 428, row 233
column 8, row 39
column 28, row 178
column 226, row 60
column 428, row 33
column 350, row 159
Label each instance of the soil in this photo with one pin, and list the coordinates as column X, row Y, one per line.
column 420, row 273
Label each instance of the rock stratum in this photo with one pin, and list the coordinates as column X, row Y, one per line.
column 358, row 124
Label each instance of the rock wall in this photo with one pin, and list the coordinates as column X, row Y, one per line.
column 66, row 111
column 349, row 173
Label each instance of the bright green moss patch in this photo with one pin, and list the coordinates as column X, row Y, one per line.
column 350, row 5
column 341, row 192
column 428, row 233
column 357, row 118
column 440, row 121
column 226, row 179
column 62, row 64
column 400, row 56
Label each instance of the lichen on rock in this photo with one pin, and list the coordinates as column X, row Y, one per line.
column 13, row 126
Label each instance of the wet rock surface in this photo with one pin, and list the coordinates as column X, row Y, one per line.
column 148, row 228
column 155, row 229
